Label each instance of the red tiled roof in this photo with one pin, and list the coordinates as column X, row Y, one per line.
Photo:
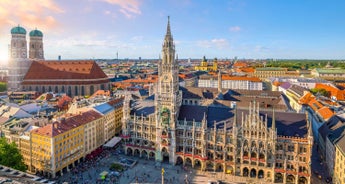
column 101, row 92
column 247, row 70
column 56, row 128
column 339, row 94
column 116, row 101
column 64, row 100
column 77, row 69
column 253, row 79
column 325, row 113
column 306, row 98
column 240, row 64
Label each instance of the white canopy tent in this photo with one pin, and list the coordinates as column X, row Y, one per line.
column 112, row 142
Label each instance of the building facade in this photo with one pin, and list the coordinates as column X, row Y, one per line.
column 36, row 45
column 18, row 61
column 204, row 66
column 75, row 78
column 230, row 82
column 58, row 146
column 339, row 167
column 264, row 146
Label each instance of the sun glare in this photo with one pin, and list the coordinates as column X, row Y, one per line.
column 3, row 58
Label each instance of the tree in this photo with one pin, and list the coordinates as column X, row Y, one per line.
column 3, row 87
column 322, row 92
column 10, row 155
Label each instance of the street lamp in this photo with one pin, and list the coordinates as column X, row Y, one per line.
column 163, row 175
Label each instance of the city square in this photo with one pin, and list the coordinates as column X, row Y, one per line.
column 165, row 92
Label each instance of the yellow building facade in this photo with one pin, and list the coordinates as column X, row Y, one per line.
column 204, row 66
column 57, row 147
column 339, row 165
column 117, row 104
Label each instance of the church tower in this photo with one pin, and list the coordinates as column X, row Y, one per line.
column 167, row 101
column 36, row 45
column 18, row 62
column 18, row 48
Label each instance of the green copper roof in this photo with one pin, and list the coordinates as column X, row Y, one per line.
column 330, row 70
column 18, row 30
column 36, row 33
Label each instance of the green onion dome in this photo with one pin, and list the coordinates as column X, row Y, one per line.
column 18, row 30
column 36, row 33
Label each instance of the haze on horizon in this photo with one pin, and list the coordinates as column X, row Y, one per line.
column 135, row 28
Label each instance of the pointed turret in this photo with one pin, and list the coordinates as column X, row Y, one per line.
column 310, row 126
column 273, row 120
column 204, row 122
column 219, row 82
column 168, row 28
column 234, row 125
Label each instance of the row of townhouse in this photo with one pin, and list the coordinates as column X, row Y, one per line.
column 54, row 147
column 230, row 82
column 328, row 123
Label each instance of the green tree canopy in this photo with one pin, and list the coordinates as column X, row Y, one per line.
column 10, row 155
column 3, row 87
column 322, row 92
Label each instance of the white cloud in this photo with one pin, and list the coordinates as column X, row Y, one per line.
column 38, row 13
column 235, row 28
column 129, row 8
column 220, row 43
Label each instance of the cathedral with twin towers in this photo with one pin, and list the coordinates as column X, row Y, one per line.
column 19, row 61
column 197, row 128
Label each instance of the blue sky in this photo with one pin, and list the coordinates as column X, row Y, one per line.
column 258, row 29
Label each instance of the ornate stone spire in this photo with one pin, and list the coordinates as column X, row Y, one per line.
column 168, row 27
column 273, row 120
column 219, row 82
column 310, row 126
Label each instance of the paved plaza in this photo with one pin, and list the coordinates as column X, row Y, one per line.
column 144, row 171
column 149, row 171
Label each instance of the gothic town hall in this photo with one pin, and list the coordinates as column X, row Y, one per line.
column 199, row 128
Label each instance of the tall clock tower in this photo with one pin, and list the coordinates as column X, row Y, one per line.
column 167, row 101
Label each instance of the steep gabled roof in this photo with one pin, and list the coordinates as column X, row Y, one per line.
column 78, row 69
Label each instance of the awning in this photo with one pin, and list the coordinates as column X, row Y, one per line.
column 113, row 142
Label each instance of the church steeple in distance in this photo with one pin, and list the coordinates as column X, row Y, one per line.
column 168, row 28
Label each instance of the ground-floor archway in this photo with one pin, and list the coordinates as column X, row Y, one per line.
column 229, row 169
column 144, row 154
column 278, row 178
column 165, row 155
column 136, row 153
column 290, row 179
column 253, row 173
column 219, row 168
column 245, row 172
column 197, row 164
column 179, row 161
column 302, row 180
column 188, row 161
column 152, row 155
column 261, row 174
column 129, row 151
column 209, row 166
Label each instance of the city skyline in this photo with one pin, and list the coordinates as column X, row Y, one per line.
column 246, row 29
